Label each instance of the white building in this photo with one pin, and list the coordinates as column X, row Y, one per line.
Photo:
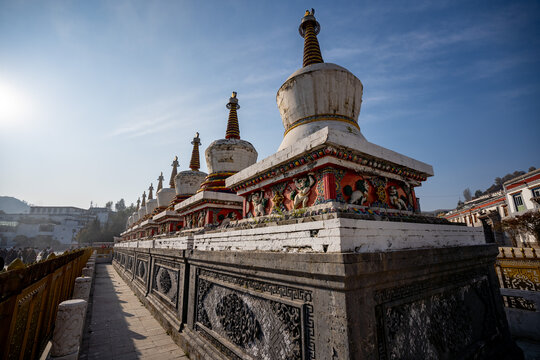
column 518, row 196
column 60, row 223
column 523, row 195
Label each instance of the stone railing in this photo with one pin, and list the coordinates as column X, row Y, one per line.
column 29, row 300
column 518, row 270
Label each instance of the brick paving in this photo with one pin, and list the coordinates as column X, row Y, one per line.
column 120, row 327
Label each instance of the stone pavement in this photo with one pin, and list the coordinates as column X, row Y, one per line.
column 120, row 327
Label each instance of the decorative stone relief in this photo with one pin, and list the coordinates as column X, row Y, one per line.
column 165, row 282
column 200, row 218
column 141, row 270
column 238, row 321
column 68, row 327
column 359, row 195
column 300, row 195
column 443, row 325
column 277, row 198
column 258, row 204
column 202, row 316
column 260, row 326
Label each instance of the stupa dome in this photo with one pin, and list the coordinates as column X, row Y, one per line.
column 319, row 94
column 228, row 156
column 165, row 196
column 151, row 203
column 142, row 210
column 188, row 182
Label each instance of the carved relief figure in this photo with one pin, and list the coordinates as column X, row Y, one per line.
column 226, row 220
column 300, row 196
column 360, row 195
column 395, row 200
column 258, row 203
column 200, row 218
column 189, row 221
column 277, row 199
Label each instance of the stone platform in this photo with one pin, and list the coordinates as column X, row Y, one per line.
column 120, row 326
column 438, row 303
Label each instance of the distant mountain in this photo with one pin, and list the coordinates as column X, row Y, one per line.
column 435, row 212
column 11, row 205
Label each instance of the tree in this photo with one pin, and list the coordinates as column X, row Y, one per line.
column 120, row 205
column 532, row 168
column 467, row 194
column 108, row 205
column 478, row 193
column 528, row 223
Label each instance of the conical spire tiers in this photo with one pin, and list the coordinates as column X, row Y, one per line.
column 138, row 203
column 195, row 164
column 309, row 28
column 143, row 199
column 174, row 172
column 233, row 131
column 160, row 181
column 150, row 192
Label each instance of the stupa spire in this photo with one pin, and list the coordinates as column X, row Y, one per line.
column 195, row 164
column 233, row 131
column 150, row 192
column 309, row 28
column 174, row 171
column 160, row 181
column 143, row 199
column 138, row 203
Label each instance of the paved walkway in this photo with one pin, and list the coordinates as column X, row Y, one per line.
column 120, row 327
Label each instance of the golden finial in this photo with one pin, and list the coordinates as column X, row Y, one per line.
column 194, row 164
column 233, row 130
column 309, row 28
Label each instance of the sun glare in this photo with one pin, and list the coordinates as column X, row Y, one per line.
column 14, row 106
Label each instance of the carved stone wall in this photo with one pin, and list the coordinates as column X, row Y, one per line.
column 263, row 320
column 447, row 324
column 416, row 304
column 165, row 281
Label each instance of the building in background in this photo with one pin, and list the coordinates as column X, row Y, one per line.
column 518, row 196
column 48, row 224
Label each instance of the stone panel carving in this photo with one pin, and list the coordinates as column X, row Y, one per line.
column 238, row 321
column 129, row 266
column 446, row 324
column 263, row 327
column 141, row 270
column 165, row 283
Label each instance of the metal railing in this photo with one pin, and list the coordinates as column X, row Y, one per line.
column 519, row 269
column 29, row 299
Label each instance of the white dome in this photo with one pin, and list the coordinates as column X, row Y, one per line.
column 188, row 182
column 230, row 155
column 318, row 96
column 165, row 196
column 151, row 205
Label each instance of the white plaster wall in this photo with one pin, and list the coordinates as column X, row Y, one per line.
column 188, row 182
column 165, row 196
column 229, row 155
column 151, row 205
column 142, row 212
column 337, row 235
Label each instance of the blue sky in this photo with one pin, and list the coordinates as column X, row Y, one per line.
column 96, row 98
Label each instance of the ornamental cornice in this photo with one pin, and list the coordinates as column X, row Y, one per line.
column 336, row 152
